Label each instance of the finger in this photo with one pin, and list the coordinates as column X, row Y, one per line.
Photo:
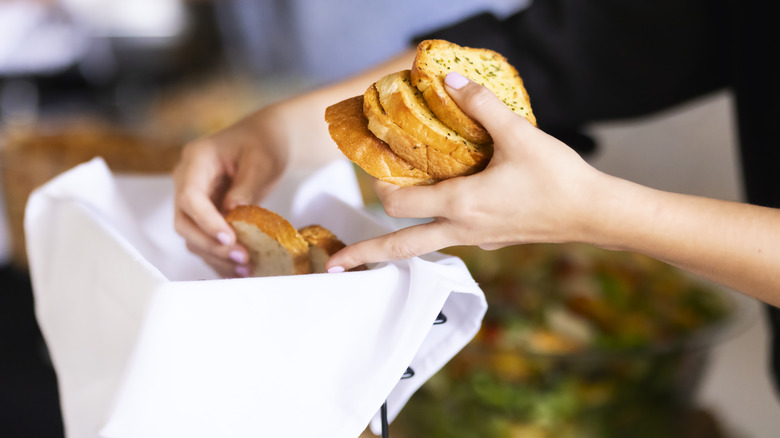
column 402, row 244
column 254, row 178
column 480, row 103
column 418, row 201
column 196, row 181
column 383, row 189
column 204, row 245
column 497, row 246
column 226, row 269
column 203, row 214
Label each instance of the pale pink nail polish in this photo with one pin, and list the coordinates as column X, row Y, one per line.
column 335, row 270
column 242, row 271
column 456, row 80
column 224, row 238
column 237, row 256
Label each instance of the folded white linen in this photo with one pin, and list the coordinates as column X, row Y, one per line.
column 148, row 342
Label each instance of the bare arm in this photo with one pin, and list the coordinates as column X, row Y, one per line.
column 302, row 117
column 735, row 244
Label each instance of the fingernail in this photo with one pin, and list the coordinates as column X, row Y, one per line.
column 335, row 270
column 237, row 256
column 456, row 80
column 224, row 238
column 242, row 271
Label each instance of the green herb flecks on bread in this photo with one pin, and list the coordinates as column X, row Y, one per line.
column 436, row 58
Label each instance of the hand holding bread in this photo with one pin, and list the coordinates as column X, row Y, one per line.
column 237, row 165
column 534, row 189
column 410, row 131
column 241, row 164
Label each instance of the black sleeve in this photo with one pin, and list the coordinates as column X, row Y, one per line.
column 585, row 61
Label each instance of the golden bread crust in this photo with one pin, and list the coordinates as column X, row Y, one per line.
column 323, row 244
column 251, row 222
column 348, row 127
column 321, row 237
column 400, row 142
column 406, row 129
column 436, row 58
column 439, row 166
column 404, row 105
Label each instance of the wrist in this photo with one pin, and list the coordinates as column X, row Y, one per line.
column 607, row 212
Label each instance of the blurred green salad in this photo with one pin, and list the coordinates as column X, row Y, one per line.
column 577, row 342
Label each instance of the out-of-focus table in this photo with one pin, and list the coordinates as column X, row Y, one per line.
column 30, row 155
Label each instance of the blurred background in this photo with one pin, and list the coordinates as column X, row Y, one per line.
column 134, row 80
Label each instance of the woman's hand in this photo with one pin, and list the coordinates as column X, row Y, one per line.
column 238, row 165
column 534, row 189
column 241, row 164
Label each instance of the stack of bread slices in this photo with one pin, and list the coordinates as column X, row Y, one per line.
column 407, row 130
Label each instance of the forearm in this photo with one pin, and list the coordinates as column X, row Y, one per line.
column 734, row 244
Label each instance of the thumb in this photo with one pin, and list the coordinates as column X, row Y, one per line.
column 480, row 103
column 254, row 178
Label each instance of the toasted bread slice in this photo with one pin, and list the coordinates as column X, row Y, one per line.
column 405, row 106
column 436, row 58
column 399, row 141
column 322, row 244
column 275, row 246
column 348, row 127
column 439, row 166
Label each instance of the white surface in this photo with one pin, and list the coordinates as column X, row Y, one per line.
column 146, row 343
column 693, row 150
column 128, row 18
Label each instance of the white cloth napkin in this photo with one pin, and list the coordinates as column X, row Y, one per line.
column 147, row 342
